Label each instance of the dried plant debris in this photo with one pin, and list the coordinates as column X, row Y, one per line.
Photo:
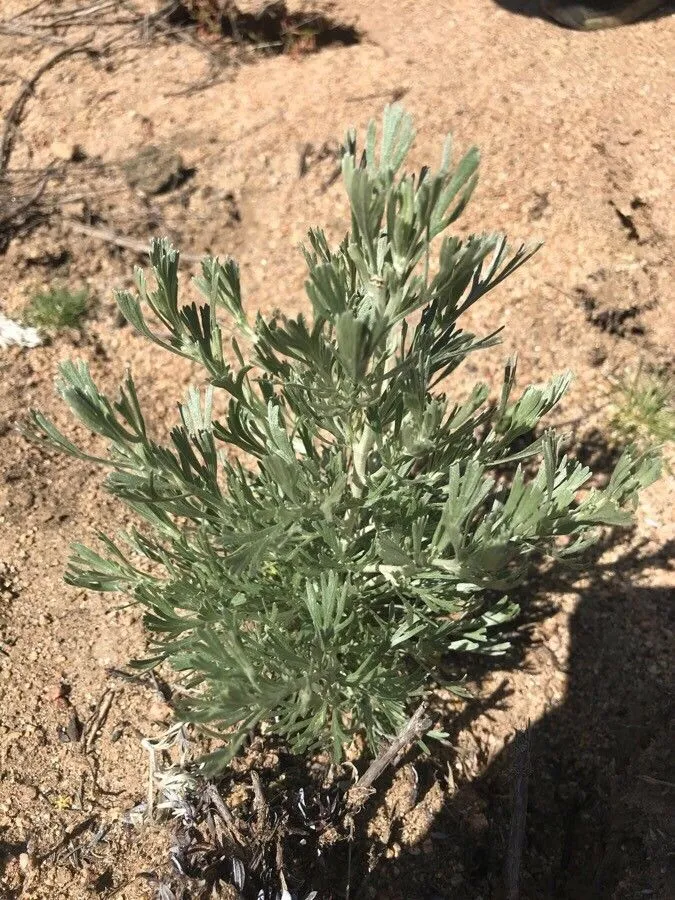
column 274, row 826
column 21, row 206
column 311, row 157
column 615, row 299
column 253, row 834
column 634, row 214
column 15, row 334
column 267, row 26
column 98, row 31
column 216, row 27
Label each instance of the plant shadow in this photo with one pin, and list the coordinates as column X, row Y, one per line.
column 583, row 755
column 596, row 452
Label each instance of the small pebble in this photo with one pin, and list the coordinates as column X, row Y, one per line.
column 66, row 152
column 54, row 692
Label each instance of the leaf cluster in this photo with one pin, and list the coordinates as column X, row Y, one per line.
column 379, row 518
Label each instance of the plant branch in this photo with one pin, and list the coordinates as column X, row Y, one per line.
column 416, row 726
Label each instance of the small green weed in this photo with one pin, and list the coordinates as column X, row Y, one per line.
column 56, row 308
column 645, row 408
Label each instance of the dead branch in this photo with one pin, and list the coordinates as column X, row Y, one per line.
column 225, row 814
column 20, row 213
column 210, row 81
column 25, row 12
column 118, row 240
column 68, row 835
column 521, row 771
column 73, row 16
column 13, row 117
column 414, row 729
column 58, row 18
column 20, row 31
column 97, row 719
column 221, row 807
column 259, row 802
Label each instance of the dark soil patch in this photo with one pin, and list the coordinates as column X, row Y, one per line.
column 615, row 299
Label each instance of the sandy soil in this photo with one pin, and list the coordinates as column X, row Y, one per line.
column 576, row 133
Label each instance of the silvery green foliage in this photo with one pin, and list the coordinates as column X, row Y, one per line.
column 380, row 522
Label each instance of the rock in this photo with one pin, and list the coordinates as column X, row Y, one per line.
column 55, row 692
column 67, row 152
column 159, row 712
column 597, row 355
column 155, row 169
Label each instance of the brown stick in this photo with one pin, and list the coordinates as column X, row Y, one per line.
column 514, row 856
column 225, row 813
column 414, row 729
column 57, row 20
column 98, row 719
column 20, row 31
column 25, row 12
column 222, row 808
column 259, row 802
column 68, row 835
column 111, row 237
column 13, row 117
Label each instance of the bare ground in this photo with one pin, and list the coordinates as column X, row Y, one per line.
column 576, row 134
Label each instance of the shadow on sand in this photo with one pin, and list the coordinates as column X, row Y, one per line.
column 600, row 779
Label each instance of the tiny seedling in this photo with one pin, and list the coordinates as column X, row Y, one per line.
column 645, row 408
column 56, row 308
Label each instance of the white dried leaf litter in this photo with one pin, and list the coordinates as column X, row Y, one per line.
column 15, row 334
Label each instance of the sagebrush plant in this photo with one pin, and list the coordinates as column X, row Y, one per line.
column 58, row 307
column 380, row 523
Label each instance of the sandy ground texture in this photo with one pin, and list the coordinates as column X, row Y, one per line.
column 576, row 132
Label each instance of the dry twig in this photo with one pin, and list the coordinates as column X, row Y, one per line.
column 259, row 802
column 111, row 237
column 66, row 837
column 96, row 721
column 521, row 771
column 21, row 31
column 414, row 729
column 223, row 811
column 57, row 20
column 25, row 12
column 13, row 116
